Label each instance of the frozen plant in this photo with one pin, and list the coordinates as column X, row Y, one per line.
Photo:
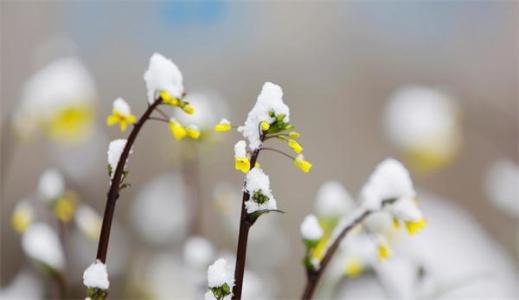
column 165, row 87
column 268, row 120
column 219, row 280
column 389, row 190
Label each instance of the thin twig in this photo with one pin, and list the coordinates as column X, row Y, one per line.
column 279, row 151
column 113, row 192
column 313, row 276
column 159, row 119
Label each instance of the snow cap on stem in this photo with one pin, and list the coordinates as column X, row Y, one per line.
column 269, row 105
column 241, row 159
column 96, row 276
column 258, row 187
column 163, row 76
column 220, row 280
column 115, row 149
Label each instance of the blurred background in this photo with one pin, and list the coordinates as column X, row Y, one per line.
column 433, row 84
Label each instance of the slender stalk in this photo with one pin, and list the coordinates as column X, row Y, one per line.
column 313, row 276
column 245, row 224
column 113, row 192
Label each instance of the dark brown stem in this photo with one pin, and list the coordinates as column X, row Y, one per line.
column 245, row 224
column 113, row 192
column 313, row 276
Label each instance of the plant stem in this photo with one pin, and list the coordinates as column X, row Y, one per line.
column 113, row 192
column 313, row 276
column 245, row 224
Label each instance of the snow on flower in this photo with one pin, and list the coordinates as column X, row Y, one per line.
column 198, row 252
column 60, row 95
column 51, row 185
column 122, row 114
column 424, row 124
column 223, row 126
column 115, row 150
column 219, row 274
column 502, row 186
column 310, row 229
column 96, row 276
column 333, row 200
column 241, row 159
column 258, row 187
column 268, row 105
column 163, row 76
column 41, row 243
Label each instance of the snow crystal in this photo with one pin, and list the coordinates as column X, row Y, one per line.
column 163, row 75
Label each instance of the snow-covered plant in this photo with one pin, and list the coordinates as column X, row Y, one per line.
column 388, row 190
column 165, row 87
column 219, row 280
column 268, row 120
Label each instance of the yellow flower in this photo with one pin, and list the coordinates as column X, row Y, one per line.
column 71, row 124
column 177, row 130
column 294, row 134
column 383, row 251
column 168, row 99
column 353, row 267
column 193, row 132
column 242, row 164
column 222, row 127
column 121, row 114
column 65, row 207
column 188, row 109
column 22, row 217
column 302, row 164
column 264, row 125
column 414, row 226
column 295, row 146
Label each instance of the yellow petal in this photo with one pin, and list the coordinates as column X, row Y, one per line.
column 131, row 119
column 123, row 125
column 21, row 220
column 193, row 133
column 302, row 164
column 353, row 267
column 396, row 223
column 189, row 109
column 415, row 226
column 295, row 146
column 112, row 119
column 222, row 127
column 65, row 207
column 242, row 164
column 294, row 134
column 265, row 125
column 383, row 251
column 177, row 130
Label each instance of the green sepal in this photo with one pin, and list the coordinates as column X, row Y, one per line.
column 255, row 215
column 221, row 291
column 97, row 294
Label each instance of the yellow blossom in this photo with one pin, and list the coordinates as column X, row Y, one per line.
column 242, row 164
column 295, row 146
column 414, row 226
column 121, row 114
column 302, row 164
column 177, row 130
column 22, row 217
column 383, row 251
column 223, row 126
column 71, row 124
column 65, row 207
column 168, row 99
column 353, row 267
column 264, row 125
column 294, row 134
column 188, row 109
column 193, row 132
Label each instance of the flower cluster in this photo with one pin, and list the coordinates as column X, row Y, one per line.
column 219, row 280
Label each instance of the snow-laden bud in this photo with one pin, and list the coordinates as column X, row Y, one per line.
column 310, row 229
column 41, row 243
column 163, row 76
column 220, row 279
column 115, row 149
column 260, row 194
column 95, row 278
column 121, row 114
column 241, row 159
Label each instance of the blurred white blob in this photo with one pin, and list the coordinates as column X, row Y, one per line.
column 159, row 213
column 41, row 243
column 96, row 276
column 24, row 286
column 310, row 228
column 333, row 200
column 61, row 97
column 455, row 264
column 502, row 186
column 210, row 107
column 115, row 149
column 198, row 252
column 88, row 221
column 423, row 123
column 51, row 185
